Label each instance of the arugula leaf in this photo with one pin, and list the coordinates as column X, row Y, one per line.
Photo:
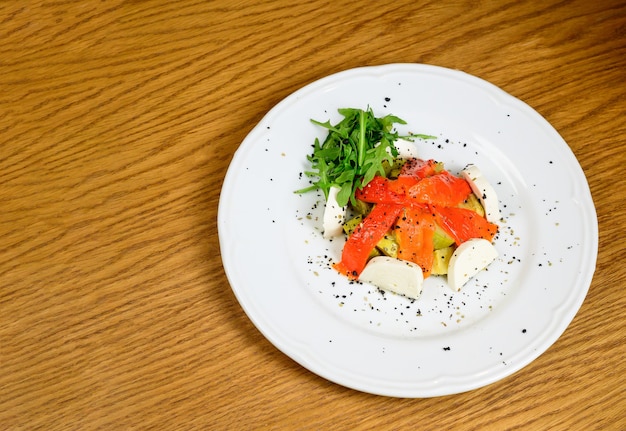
column 354, row 152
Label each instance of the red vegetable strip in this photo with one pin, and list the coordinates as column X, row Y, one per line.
column 383, row 190
column 418, row 168
column 365, row 237
column 402, row 184
column 414, row 232
column 380, row 190
column 463, row 224
column 411, row 173
column 442, row 189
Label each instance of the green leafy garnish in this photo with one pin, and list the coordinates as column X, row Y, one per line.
column 355, row 150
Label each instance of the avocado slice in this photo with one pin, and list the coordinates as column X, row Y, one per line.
column 441, row 239
column 441, row 259
column 472, row 203
column 388, row 246
column 360, row 207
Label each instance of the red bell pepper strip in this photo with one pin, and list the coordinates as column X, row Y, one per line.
column 414, row 232
column 365, row 237
column 381, row 190
column 402, row 184
column 412, row 172
column 442, row 189
column 463, row 224
column 418, row 168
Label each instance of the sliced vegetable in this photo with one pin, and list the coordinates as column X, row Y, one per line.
column 441, row 260
column 441, row 239
column 387, row 245
column 414, row 232
column 419, row 168
column 472, row 203
column 365, row 237
column 351, row 224
column 381, row 190
column 412, row 171
column 463, row 224
column 442, row 189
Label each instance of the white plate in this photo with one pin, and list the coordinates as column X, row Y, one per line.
column 278, row 264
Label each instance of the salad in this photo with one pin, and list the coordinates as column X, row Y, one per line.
column 405, row 218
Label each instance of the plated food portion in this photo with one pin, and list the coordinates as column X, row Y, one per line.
column 405, row 218
column 288, row 259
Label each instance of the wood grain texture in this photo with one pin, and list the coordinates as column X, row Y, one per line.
column 117, row 123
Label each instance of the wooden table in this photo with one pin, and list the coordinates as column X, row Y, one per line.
column 118, row 121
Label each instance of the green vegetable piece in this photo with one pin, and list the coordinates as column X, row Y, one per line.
column 361, row 207
column 441, row 260
column 350, row 225
column 473, row 204
column 393, row 170
column 388, row 246
column 441, row 239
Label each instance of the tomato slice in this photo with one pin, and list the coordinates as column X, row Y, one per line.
column 442, row 189
column 463, row 224
column 414, row 232
column 365, row 237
